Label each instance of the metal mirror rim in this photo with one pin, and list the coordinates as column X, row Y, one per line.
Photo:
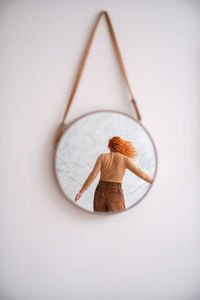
column 83, row 116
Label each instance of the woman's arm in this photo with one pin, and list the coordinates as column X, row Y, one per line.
column 137, row 171
column 93, row 174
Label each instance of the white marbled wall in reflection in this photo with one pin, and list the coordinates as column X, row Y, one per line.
column 85, row 139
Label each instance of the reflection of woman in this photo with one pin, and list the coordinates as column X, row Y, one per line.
column 109, row 193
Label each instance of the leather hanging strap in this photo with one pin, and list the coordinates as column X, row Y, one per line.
column 78, row 76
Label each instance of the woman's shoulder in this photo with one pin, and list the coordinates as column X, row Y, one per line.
column 119, row 154
column 104, row 154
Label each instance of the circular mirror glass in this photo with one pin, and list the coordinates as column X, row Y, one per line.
column 84, row 140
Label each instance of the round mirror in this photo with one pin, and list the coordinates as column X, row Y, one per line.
column 83, row 147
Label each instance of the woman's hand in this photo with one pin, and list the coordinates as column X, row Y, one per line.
column 78, row 196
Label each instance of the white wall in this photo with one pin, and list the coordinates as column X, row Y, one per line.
column 50, row 249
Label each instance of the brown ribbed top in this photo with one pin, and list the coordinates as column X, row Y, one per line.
column 112, row 166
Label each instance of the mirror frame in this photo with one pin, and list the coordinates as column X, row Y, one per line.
column 83, row 116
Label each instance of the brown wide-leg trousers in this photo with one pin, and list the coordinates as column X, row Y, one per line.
column 109, row 196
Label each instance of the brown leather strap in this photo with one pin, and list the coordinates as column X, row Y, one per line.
column 116, row 47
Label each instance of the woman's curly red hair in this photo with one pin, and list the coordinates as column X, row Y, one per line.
column 122, row 146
